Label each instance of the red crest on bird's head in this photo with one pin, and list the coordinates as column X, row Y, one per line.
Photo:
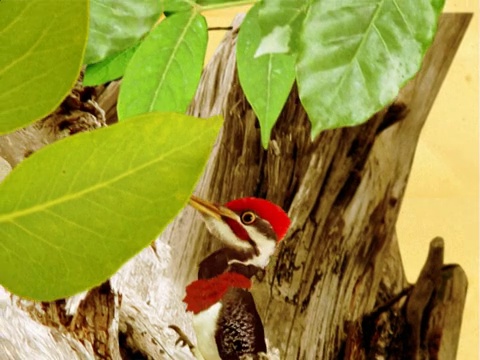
column 265, row 209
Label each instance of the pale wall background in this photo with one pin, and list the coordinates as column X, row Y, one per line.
column 442, row 195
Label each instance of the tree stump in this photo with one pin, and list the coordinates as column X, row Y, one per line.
column 343, row 192
column 336, row 288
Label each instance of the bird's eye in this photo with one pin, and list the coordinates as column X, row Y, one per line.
column 248, row 217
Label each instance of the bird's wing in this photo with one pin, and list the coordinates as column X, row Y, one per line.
column 240, row 329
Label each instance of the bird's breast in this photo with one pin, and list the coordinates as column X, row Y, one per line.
column 201, row 294
column 205, row 326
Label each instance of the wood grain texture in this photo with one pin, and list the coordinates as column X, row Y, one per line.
column 342, row 190
column 96, row 321
column 336, row 287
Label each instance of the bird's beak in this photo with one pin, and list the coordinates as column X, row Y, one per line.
column 208, row 208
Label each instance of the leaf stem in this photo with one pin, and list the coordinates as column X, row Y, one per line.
column 226, row 28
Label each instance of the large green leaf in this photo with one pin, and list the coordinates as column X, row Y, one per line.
column 355, row 56
column 111, row 68
column 75, row 211
column 266, row 80
column 281, row 23
column 41, row 51
column 117, row 25
column 164, row 72
column 170, row 6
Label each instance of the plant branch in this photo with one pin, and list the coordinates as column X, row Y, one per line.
column 216, row 28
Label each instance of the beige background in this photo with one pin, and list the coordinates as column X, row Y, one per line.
column 442, row 195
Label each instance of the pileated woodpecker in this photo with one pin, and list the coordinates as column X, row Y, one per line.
column 225, row 318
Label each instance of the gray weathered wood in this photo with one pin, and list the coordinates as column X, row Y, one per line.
column 343, row 192
column 337, row 281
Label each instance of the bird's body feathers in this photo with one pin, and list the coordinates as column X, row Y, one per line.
column 226, row 320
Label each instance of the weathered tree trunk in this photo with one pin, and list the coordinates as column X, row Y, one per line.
column 336, row 288
column 343, row 192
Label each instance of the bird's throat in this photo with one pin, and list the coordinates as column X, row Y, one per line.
column 203, row 293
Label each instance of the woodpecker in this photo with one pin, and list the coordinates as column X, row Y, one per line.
column 225, row 318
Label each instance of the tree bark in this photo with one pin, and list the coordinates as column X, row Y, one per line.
column 343, row 192
column 336, row 287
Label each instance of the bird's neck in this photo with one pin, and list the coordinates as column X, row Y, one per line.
column 227, row 260
column 223, row 269
column 203, row 293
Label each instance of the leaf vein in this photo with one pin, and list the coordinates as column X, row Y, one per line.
column 355, row 55
column 385, row 45
column 6, row 28
column 170, row 61
column 402, row 15
column 69, row 197
column 362, row 73
column 19, row 87
column 36, row 236
column 29, row 52
column 69, row 221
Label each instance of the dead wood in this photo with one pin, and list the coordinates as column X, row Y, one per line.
column 336, row 288
column 343, row 192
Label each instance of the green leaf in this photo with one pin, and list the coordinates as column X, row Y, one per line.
column 355, row 56
column 117, row 25
column 75, row 211
column 226, row 3
column 109, row 69
column 266, row 80
column 170, row 6
column 41, row 52
column 164, row 72
column 281, row 23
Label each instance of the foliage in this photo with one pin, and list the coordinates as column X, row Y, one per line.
column 266, row 80
column 352, row 57
column 110, row 68
column 349, row 58
column 42, row 44
column 164, row 72
column 360, row 56
column 96, row 199
column 117, row 25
